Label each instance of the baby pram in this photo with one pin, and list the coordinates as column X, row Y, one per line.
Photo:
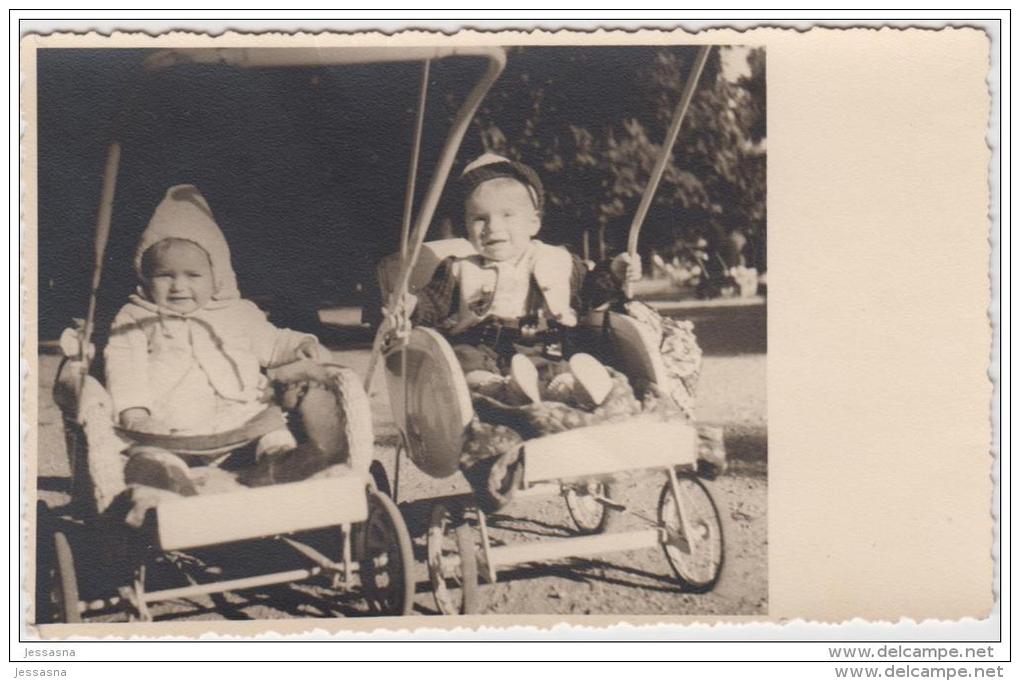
column 433, row 410
column 365, row 544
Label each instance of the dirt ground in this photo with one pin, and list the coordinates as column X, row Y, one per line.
column 732, row 394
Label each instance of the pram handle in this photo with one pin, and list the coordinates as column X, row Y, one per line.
column 667, row 150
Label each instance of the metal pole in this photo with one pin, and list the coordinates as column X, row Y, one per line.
column 667, row 147
column 682, row 517
column 405, row 226
column 443, row 166
column 554, row 549
column 401, row 447
column 103, row 220
column 231, row 585
column 412, row 173
column 459, row 128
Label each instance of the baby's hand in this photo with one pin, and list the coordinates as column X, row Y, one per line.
column 624, row 269
column 140, row 420
column 309, row 348
column 398, row 319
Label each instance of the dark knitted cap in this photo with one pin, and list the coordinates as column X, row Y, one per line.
column 490, row 166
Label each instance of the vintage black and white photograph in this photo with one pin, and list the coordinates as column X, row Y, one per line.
column 341, row 332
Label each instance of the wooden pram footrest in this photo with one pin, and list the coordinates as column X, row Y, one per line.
column 204, row 520
column 609, row 448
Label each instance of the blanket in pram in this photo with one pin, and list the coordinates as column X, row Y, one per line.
column 492, row 458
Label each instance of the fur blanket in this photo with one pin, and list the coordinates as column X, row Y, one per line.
column 328, row 413
column 492, row 455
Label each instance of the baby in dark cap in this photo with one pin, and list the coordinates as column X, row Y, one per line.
column 508, row 309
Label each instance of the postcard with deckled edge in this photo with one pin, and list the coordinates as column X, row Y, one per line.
column 356, row 332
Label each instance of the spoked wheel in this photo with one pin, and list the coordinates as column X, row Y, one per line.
column 453, row 564
column 694, row 547
column 590, row 516
column 65, row 586
column 387, row 560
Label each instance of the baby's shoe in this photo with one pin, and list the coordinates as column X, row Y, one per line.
column 156, row 467
column 592, row 380
column 524, row 378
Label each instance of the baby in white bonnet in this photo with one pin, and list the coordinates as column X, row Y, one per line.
column 186, row 353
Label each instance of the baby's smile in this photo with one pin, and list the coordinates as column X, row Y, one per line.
column 180, row 277
column 501, row 218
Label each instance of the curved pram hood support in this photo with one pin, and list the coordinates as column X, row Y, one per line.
column 667, row 151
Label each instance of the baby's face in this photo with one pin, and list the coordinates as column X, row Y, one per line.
column 501, row 219
column 180, row 277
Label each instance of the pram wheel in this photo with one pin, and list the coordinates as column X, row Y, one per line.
column 589, row 515
column 387, row 561
column 453, row 565
column 694, row 545
column 65, row 586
